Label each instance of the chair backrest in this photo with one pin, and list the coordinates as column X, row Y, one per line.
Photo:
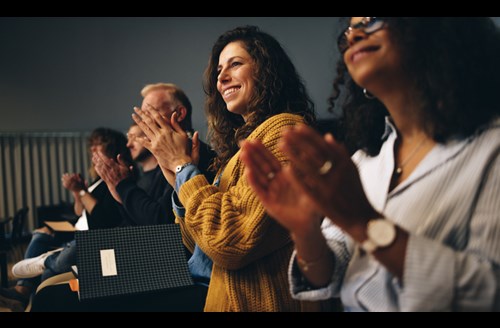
column 18, row 224
column 59, row 212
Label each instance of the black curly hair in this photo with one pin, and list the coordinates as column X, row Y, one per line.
column 278, row 89
column 454, row 64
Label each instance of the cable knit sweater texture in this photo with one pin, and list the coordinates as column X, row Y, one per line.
column 249, row 249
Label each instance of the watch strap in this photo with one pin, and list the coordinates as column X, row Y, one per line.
column 179, row 168
column 381, row 233
column 369, row 246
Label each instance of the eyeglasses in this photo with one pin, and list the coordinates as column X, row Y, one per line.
column 132, row 136
column 173, row 110
column 368, row 25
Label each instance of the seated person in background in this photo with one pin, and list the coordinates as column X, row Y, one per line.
column 94, row 204
column 167, row 99
column 412, row 221
column 146, row 200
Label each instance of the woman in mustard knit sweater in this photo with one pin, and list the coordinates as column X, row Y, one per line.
column 253, row 92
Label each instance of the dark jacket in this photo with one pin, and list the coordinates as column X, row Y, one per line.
column 106, row 213
column 147, row 201
column 206, row 157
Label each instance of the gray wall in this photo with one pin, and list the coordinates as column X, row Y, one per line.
column 60, row 74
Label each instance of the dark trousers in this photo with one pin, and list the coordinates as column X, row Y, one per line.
column 59, row 298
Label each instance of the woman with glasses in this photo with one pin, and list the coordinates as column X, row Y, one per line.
column 412, row 221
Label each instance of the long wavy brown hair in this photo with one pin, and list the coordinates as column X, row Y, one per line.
column 454, row 63
column 278, row 89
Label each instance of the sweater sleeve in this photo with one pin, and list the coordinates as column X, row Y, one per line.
column 228, row 222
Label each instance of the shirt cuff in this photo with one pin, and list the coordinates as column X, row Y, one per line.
column 183, row 176
column 301, row 289
column 179, row 210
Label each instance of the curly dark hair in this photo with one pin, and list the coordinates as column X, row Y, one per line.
column 114, row 142
column 454, row 64
column 278, row 89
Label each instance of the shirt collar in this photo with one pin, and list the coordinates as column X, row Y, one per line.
column 389, row 128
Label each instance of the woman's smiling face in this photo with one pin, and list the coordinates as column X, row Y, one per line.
column 235, row 79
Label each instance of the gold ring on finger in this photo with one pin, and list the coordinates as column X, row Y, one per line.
column 325, row 168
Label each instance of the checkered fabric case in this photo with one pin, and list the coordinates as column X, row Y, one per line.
column 130, row 260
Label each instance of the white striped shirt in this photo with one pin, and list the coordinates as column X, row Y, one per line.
column 451, row 208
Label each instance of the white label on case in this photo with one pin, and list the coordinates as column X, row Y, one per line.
column 108, row 262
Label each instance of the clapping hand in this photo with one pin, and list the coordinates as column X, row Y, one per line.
column 73, row 182
column 277, row 190
column 110, row 170
column 323, row 170
column 166, row 140
column 320, row 180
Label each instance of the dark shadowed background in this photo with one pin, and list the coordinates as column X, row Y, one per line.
column 74, row 74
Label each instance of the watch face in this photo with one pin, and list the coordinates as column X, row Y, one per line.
column 179, row 168
column 381, row 232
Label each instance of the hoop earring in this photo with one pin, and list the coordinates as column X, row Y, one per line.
column 367, row 94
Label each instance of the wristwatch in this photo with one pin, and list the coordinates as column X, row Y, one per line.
column 179, row 168
column 381, row 233
column 82, row 192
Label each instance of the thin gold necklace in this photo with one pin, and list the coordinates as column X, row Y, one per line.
column 399, row 169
